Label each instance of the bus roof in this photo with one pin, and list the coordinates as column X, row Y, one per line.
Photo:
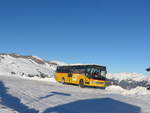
column 83, row 65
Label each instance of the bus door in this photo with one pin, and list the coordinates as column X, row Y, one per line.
column 70, row 77
column 87, row 80
column 88, row 76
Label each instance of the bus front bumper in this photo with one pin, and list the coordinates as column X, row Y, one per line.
column 96, row 83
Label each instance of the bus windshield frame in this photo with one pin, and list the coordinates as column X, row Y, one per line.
column 96, row 73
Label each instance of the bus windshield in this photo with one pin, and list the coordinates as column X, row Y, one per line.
column 97, row 73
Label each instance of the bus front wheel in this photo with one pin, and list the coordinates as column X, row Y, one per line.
column 81, row 83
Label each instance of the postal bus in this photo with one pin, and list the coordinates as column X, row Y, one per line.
column 82, row 75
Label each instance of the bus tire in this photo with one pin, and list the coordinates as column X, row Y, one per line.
column 63, row 80
column 81, row 84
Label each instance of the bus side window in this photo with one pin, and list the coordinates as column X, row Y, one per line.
column 70, row 74
column 75, row 71
column 58, row 70
column 82, row 71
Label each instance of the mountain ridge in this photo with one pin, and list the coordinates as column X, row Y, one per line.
column 26, row 65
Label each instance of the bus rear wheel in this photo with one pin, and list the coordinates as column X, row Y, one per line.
column 81, row 84
column 63, row 80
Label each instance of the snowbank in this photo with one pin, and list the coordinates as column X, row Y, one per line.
column 134, row 91
column 39, row 79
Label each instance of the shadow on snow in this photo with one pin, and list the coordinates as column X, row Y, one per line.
column 55, row 93
column 99, row 105
column 13, row 102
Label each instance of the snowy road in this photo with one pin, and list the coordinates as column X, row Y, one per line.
column 18, row 95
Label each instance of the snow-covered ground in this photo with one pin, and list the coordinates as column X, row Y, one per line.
column 21, row 95
column 27, row 85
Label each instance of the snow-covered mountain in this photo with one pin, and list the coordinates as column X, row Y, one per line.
column 129, row 80
column 13, row 64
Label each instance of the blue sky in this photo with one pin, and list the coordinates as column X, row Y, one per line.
column 115, row 33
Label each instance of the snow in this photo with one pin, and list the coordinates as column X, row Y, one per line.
column 37, row 57
column 135, row 91
column 39, row 79
column 60, row 63
column 24, row 67
column 130, row 80
column 32, row 86
column 31, row 96
column 127, row 76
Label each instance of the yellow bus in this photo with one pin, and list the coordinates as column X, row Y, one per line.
column 82, row 75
